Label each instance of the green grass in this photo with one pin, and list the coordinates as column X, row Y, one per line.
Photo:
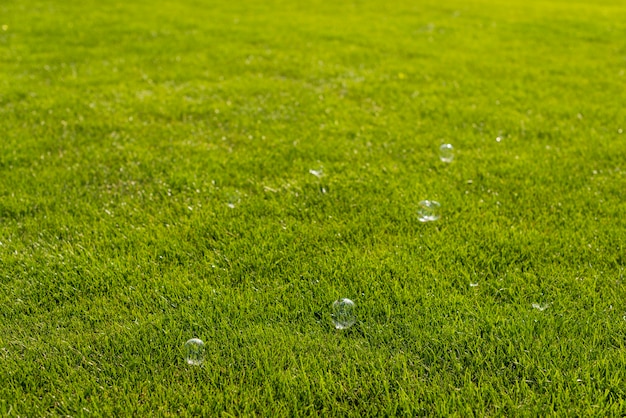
column 127, row 129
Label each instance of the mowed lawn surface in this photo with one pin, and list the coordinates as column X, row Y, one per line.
column 155, row 186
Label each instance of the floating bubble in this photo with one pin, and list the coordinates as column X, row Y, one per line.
column 343, row 313
column 233, row 199
column 446, row 153
column 319, row 173
column 428, row 211
column 499, row 139
column 194, row 352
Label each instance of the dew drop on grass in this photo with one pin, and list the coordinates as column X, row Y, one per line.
column 343, row 313
column 428, row 211
column 446, row 153
column 194, row 352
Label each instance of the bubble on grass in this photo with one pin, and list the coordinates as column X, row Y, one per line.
column 541, row 307
column 446, row 153
column 428, row 211
column 343, row 313
column 233, row 199
column 319, row 173
column 498, row 139
column 194, row 352
column 473, row 284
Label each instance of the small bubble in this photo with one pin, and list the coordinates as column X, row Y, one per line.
column 194, row 352
column 319, row 173
column 498, row 139
column 343, row 313
column 541, row 307
column 620, row 131
column 473, row 284
column 428, row 211
column 233, row 199
column 446, row 153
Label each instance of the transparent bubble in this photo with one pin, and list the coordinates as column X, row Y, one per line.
column 446, row 153
column 319, row 173
column 540, row 307
column 194, row 352
column 428, row 211
column 233, row 199
column 343, row 313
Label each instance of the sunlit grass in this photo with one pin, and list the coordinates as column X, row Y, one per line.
column 227, row 170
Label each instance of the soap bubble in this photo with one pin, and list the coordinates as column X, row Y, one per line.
column 319, row 173
column 194, row 352
column 428, row 211
column 343, row 313
column 233, row 199
column 446, row 153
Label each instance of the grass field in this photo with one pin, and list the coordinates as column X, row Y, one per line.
column 155, row 186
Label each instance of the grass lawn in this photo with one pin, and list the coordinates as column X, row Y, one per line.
column 156, row 185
